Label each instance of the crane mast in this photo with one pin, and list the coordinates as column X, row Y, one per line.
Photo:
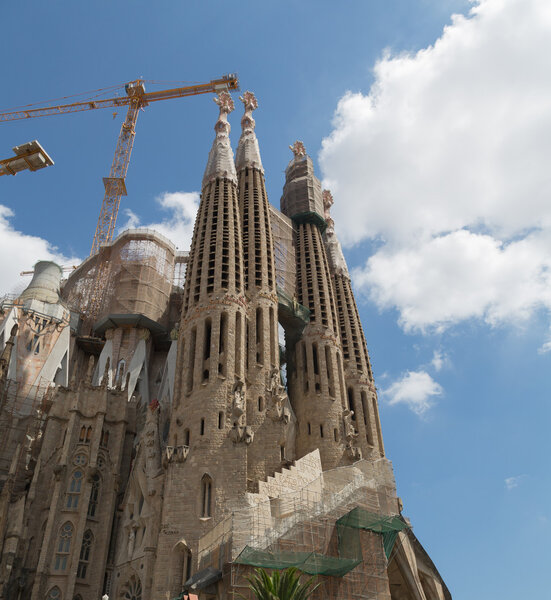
column 115, row 185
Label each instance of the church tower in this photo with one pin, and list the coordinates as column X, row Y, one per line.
column 209, row 413
column 317, row 387
column 268, row 407
column 361, row 395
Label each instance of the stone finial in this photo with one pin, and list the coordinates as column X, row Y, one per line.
column 226, row 105
column 251, row 103
column 220, row 162
column 5, row 357
column 105, row 378
column 298, row 149
column 327, row 203
column 248, row 153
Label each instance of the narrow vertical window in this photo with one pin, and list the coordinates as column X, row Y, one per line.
column 321, row 430
column 84, row 558
column 94, row 496
column 222, row 343
column 186, row 437
column 206, row 347
column 351, row 403
column 238, row 335
column 220, row 420
column 259, row 332
column 73, row 493
column 191, row 360
column 206, row 496
column 63, row 547
column 273, row 340
column 202, row 426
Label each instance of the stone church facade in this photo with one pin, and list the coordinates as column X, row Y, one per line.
column 189, row 428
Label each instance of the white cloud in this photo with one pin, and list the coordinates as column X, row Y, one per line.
column 415, row 389
column 20, row 252
column 439, row 360
column 513, row 482
column 178, row 227
column 459, row 276
column 445, row 163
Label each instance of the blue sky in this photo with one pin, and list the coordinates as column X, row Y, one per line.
column 432, row 132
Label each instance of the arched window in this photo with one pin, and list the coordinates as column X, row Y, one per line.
column 132, row 589
column 94, row 495
column 54, row 594
column 84, row 558
column 206, row 496
column 77, row 597
column 88, row 435
column 63, row 548
column 75, row 485
column 82, row 436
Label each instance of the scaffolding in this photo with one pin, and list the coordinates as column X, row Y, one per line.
column 284, row 252
column 22, row 413
column 138, row 268
column 331, row 526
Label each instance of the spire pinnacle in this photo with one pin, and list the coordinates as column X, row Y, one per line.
column 248, row 153
column 298, row 149
column 335, row 256
column 220, row 161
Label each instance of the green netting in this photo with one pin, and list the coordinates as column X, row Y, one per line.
column 308, row 562
column 350, row 550
column 359, row 518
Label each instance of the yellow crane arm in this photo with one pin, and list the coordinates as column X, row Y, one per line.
column 228, row 83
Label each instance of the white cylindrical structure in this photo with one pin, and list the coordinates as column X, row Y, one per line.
column 45, row 283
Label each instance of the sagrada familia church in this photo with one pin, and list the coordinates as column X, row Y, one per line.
column 170, row 421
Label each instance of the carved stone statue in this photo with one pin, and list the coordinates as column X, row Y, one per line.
column 239, row 431
column 131, row 542
column 277, row 396
column 350, row 432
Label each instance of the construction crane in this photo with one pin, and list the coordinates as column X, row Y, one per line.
column 115, row 186
column 136, row 99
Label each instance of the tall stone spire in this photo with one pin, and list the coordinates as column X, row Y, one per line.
column 361, row 394
column 209, row 417
column 267, row 402
column 248, row 153
column 316, row 379
column 220, row 161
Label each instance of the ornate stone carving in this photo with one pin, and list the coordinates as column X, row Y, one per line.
column 327, row 203
column 239, row 432
column 298, row 149
column 350, row 432
column 277, row 395
column 353, row 452
column 59, row 471
column 175, row 454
